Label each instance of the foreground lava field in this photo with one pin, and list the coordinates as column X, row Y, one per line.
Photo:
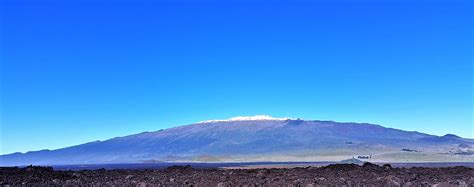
column 336, row 174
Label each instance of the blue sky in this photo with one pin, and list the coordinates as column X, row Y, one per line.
column 79, row 71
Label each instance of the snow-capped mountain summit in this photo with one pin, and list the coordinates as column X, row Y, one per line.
column 247, row 118
column 259, row 138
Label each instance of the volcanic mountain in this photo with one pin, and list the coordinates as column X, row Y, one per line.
column 259, row 138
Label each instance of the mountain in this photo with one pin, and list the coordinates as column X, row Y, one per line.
column 259, row 138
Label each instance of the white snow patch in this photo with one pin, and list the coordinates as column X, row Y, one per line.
column 247, row 118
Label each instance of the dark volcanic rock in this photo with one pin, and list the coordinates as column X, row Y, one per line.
column 338, row 174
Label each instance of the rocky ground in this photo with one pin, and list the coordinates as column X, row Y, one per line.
column 337, row 174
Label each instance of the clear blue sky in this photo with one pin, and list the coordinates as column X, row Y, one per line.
column 83, row 70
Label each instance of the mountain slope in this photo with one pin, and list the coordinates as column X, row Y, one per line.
column 258, row 139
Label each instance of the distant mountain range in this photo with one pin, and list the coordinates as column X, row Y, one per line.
column 260, row 138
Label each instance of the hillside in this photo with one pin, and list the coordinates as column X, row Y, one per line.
column 259, row 139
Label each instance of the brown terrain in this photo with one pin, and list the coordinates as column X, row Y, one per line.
column 337, row 174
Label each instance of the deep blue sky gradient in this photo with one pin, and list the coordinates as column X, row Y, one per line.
column 79, row 71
